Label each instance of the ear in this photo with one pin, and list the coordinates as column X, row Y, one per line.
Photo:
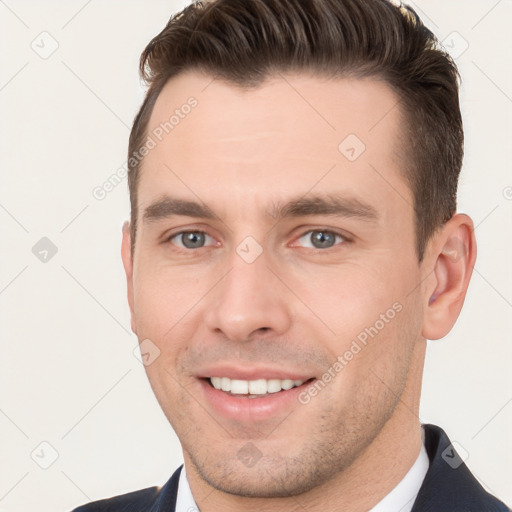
column 453, row 253
column 126, row 256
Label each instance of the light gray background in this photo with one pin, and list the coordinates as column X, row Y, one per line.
column 68, row 375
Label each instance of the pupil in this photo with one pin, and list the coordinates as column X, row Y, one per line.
column 192, row 240
column 320, row 239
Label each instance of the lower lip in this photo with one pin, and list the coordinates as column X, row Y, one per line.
column 251, row 408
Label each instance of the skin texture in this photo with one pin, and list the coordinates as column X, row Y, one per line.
column 295, row 307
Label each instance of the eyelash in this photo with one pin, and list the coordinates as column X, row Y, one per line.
column 325, row 231
column 344, row 238
column 179, row 233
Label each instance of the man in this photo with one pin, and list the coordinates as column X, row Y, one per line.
column 293, row 243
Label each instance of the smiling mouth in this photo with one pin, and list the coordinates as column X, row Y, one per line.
column 254, row 388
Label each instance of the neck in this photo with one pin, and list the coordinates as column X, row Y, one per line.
column 379, row 469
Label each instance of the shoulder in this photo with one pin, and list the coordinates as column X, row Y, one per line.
column 130, row 502
column 449, row 485
column 151, row 499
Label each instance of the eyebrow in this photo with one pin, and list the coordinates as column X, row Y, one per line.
column 332, row 205
column 168, row 206
column 328, row 204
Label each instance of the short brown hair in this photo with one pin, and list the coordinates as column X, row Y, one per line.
column 244, row 42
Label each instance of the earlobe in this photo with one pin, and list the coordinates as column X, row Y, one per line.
column 454, row 255
column 126, row 257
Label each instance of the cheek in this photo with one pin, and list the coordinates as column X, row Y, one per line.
column 389, row 341
column 350, row 298
column 374, row 365
column 164, row 299
column 373, row 321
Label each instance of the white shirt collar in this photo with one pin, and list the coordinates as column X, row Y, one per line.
column 185, row 501
column 400, row 499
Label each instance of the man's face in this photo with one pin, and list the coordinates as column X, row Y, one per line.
column 304, row 269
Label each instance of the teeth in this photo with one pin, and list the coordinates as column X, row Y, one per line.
column 225, row 384
column 253, row 387
column 239, row 387
column 258, row 387
column 273, row 385
column 287, row 384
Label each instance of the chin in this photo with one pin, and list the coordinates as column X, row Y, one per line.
column 248, row 473
column 267, row 481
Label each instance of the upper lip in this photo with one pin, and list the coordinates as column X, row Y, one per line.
column 252, row 373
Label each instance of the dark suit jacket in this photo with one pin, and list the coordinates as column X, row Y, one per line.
column 448, row 487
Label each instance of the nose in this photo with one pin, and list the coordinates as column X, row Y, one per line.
column 249, row 300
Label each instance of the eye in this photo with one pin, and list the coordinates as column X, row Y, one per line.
column 190, row 239
column 320, row 239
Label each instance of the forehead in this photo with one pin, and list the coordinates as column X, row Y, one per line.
column 290, row 135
